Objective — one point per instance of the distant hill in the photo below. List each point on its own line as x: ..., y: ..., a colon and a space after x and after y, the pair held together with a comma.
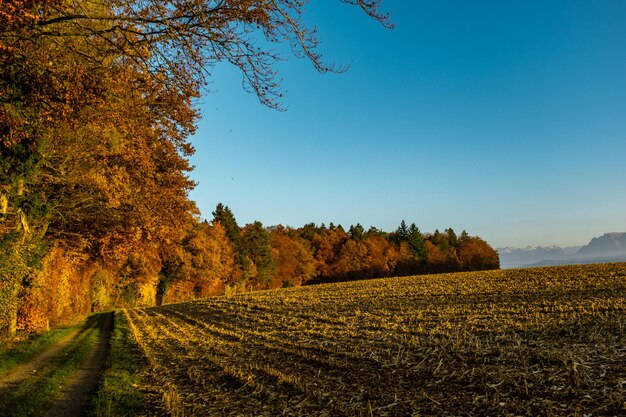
x: 610, y: 247
x: 609, y: 244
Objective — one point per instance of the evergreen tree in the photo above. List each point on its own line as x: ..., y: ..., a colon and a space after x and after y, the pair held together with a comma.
x: 402, y: 233
x: 258, y: 247
x: 356, y: 232
x: 226, y: 218
x: 308, y: 231
x: 417, y: 243
x: 453, y: 240
x: 374, y: 231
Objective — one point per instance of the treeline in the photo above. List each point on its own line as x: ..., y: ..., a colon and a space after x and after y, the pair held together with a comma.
x: 223, y: 255
x: 98, y: 100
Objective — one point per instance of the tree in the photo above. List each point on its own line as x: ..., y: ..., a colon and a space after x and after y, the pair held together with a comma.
x: 178, y: 41
x: 417, y: 243
x: 407, y: 263
x: 258, y: 247
x: 437, y: 259
x: 326, y: 246
x: 453, y: 240
x: 356, y: 232
x: 93, y: 159
x: 293, y: 259
x: 475, y: 255
x: 382, y: 254
x: 203, y: 263
x: 401, y: 234
x: 224, y: 216
x: 244, y: 265
x: 353, y: 261
x: 374, y: 231
x: 309, y: 230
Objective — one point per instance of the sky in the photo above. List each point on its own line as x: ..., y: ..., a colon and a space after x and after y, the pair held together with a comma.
x: 506, y: 119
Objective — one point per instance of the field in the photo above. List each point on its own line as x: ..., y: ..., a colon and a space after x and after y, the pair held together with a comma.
x: 544, y: 341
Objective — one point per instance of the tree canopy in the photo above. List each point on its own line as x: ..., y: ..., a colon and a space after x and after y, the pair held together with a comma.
x: 176, y: 41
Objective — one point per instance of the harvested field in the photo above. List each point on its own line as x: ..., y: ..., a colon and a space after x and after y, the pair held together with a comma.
x: 543, y: 341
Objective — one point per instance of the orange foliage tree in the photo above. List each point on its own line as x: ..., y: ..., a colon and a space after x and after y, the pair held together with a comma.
x: 93, y: 160
x: 293, y: 259
x: 475, y: 254
x: 204, y: 263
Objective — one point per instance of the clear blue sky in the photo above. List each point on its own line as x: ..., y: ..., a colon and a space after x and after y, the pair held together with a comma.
x: 503, y: 118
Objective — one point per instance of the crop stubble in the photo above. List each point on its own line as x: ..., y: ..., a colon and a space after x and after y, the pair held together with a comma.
x: 545, y: 341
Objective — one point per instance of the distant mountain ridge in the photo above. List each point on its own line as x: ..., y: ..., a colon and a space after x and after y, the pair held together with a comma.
x: 609, y: 244
x: 610, y: 247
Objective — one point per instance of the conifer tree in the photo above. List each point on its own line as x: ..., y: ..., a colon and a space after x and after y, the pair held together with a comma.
x: 258, y: 247
x: 417, y: 243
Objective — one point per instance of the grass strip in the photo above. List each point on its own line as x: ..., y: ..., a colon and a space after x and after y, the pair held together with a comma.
x: 25, y: 350
x: 119, y: 394
x: 32, y: 396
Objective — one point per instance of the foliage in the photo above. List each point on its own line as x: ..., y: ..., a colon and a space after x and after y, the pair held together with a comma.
x: 202, y: 266
x: 293, y: 259
x: 56, y: 293
x: 178, y: 40
x: 475, y: 255
x: 257, y: 246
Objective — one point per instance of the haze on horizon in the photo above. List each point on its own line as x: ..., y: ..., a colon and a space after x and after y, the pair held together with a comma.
x: 506, y: 120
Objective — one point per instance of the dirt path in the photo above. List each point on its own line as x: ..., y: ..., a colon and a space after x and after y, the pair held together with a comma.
x: 75, y: 400
x: 21, y: 372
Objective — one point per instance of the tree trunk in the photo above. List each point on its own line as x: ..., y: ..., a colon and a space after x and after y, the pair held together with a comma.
x: 161, y: 290
x: 12, y: 328
x: 13, y: 271
x: 8, y: 312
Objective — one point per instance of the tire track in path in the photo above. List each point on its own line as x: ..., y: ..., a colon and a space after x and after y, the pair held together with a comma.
x: 75, y: 400
x: 25, y: 370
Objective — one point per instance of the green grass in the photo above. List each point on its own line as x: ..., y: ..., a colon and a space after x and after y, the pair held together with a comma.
x: 25, y: 350
x: 119, y: 394
x: 34, y: 394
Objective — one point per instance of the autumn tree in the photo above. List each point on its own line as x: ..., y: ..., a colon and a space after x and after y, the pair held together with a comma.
x: 314, y: 254
x: 383, y: 255
x: 352, y: 261
x: 178, y: 41
x: 293, y: 258
x: 93, y: 160
x: 201, y: 266
x: 39, y: 90
x: 475, y: 254
x: 437, y: 259
x: 326, y: 245
x: 442, y: 252
x: 245, y: 268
